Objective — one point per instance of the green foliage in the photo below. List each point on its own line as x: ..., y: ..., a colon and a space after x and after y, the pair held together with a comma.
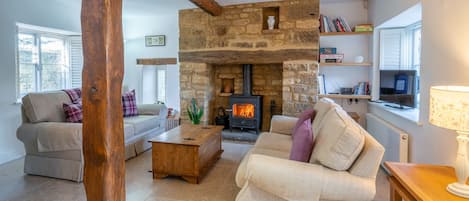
x: 195, y: 113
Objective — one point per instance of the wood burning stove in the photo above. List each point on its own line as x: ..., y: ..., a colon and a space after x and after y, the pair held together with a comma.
x: 246, y: 109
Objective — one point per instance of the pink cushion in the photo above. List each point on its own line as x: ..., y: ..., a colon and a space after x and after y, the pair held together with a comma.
x: 307, y: 114
x: 129, y: 104
x: 73, y: 112
x: 302, y: 145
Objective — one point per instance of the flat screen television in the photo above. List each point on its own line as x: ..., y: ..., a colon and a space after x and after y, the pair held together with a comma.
x: 399, y: 88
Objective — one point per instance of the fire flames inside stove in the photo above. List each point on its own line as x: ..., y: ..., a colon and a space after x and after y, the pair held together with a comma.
x: 243, y: 111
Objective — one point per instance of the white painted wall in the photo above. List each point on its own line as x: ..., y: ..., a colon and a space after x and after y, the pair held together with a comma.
x: 54, y: 14
x: 135, y: 30
x: 383, y: 10
x: 445, y: 61
x: 350, y: 46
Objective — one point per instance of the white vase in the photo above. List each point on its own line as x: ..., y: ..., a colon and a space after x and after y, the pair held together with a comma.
x: 271, y: 22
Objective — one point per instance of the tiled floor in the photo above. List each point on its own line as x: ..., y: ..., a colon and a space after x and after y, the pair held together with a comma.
x: 217, y: 185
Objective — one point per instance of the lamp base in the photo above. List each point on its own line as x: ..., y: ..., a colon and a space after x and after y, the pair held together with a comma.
x: 461, y: 190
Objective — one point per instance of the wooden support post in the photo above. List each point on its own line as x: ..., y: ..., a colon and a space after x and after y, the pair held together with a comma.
x: 209, y: 6
x: 103, y: 131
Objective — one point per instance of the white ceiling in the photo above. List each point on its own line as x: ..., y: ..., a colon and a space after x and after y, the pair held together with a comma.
x: 136, y: 8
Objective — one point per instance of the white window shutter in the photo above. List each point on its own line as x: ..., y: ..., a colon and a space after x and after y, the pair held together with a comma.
x: 76, y: 61
x: 391, y: 42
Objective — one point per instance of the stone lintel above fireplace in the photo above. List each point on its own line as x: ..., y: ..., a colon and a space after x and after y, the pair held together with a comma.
x: 247, y: 56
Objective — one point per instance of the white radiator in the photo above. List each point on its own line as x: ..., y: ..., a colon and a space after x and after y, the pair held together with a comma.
x: 394, y: 140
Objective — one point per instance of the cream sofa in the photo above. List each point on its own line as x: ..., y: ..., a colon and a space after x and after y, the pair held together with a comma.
x: 53, y: 146
x: 267, y: 174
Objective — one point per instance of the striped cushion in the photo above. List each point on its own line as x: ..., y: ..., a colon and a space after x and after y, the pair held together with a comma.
x: 73, y: 111
x: 129, y: 104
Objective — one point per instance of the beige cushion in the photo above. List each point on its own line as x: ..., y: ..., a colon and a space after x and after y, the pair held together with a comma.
x: 128, y: 131
x: 282, y: 124
x: 45, y: 106
x: 274, y: 141
x: 241, y: 172
x: 142, y: 123
x: 323, y: 106
x: 151, y: 109
x: 338, y: 142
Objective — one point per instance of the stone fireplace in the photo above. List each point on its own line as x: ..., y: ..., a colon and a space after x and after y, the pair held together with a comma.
x: 284, y: 60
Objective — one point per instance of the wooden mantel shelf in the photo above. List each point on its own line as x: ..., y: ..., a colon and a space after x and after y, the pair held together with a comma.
x: 247, y: 56
x: 157, y: 61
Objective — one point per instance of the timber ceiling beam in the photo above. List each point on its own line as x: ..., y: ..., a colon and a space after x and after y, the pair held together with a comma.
x: 209, y: 6
x: 103, y: 129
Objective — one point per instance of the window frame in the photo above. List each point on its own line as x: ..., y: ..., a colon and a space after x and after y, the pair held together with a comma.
x: 407, y: 53
x: 37, y: 33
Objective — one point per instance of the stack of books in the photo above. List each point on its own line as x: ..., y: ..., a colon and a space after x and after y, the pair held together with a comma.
x: 329, y: 55
x: 363, y: 88
x: 363, y: 28
x: 328, y: 24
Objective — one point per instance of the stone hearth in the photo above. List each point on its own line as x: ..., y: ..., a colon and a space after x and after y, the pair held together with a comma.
x: 284, y: 59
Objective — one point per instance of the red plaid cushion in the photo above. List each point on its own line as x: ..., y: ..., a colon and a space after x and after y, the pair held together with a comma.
x: 74, y: 94
x: 73, y: 112
x: 129, y: 104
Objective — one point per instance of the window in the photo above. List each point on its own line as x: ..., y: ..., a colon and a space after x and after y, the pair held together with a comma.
x: 400, y: 50
x: 47, y: 61
x: 153, y: 84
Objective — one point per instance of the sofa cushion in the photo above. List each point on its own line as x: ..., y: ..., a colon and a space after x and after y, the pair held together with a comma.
x: 129, y: 104
x: 302, y: 142
x: 73, y: 112
x: 338, y: 142
x: 274, y: 141
x: 241, y: 172
x: 307, y: 114
x: 45, y: 106
x: 143, y: 123
x: 74, y: 94
x: 128, y: 132
x: 322, y: 107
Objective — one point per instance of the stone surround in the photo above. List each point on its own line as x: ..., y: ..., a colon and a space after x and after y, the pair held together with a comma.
x: 285, y: 59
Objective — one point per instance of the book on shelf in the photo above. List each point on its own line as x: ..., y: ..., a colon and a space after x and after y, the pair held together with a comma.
x: 327, y: 50
x: 331, y: 58
x: 329, y: 24
x: 363, y: 28
x: 321, y: 84
x: 362, y: 88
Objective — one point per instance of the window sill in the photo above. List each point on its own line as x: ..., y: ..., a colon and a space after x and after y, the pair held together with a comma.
x: 411, y: 115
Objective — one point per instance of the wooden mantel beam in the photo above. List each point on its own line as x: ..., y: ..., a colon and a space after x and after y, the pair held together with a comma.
x: 209, y: 6
x: 103, y: 129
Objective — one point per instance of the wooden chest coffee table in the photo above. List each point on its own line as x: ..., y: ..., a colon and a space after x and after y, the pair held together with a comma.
x: 187, y: 151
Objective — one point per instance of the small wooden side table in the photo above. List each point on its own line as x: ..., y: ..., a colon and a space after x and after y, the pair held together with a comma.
x: 418, y: 182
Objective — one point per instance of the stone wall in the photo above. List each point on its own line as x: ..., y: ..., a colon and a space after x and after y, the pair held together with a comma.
x: 196, y: 81
x: 212, y: 47
x: 299, y: 86
x: 240, y: 27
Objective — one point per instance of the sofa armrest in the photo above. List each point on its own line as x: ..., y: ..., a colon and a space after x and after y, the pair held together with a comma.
x: 282, y: 124
x: 152, y: 109
x: 51, y: 136
x: 290, y: 180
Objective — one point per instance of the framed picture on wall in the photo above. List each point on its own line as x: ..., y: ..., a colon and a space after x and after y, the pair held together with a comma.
x: 155, y: 40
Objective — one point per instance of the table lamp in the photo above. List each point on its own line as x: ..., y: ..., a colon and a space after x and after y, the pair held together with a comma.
x: 449, y: 108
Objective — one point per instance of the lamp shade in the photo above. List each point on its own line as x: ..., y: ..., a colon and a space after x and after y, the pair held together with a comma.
x: 449, y: 107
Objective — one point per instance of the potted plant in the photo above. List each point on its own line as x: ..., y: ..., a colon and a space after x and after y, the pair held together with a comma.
x: 195, y: 113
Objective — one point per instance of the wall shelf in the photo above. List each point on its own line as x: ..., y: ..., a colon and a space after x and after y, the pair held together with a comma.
x: 345, y: 33
x: 345, y: 64
x: 341, y: 96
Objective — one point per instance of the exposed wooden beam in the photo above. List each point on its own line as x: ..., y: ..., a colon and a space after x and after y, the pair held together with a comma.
x: 209, y: 6
x: 157, y: 61
x: 103, y: 130
x: 242, y: 57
